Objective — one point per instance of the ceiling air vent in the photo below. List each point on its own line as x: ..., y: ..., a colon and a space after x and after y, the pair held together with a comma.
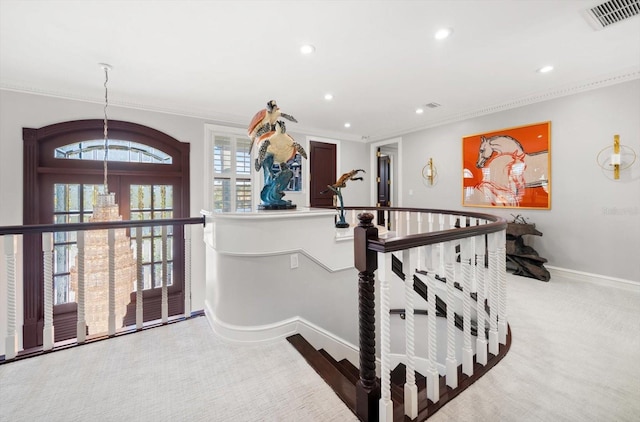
x: 610, y: 12
x: 434, y: 105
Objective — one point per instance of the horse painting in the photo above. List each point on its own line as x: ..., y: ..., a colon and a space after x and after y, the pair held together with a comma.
x: 508, y: 171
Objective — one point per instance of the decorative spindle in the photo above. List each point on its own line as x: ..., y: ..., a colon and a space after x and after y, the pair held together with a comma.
x: 465, y: 262
x: 11, y: 341
x: 384, y: 274
x: 452, y: 364
x: 366, y: 262
x: 187, y: 271
x: 139, y: 280
x: 47, y: 261
x: 165, y: 297
x: 493, y: 294
x: 81, y: 330
x: 433, y: 377
x: 481, y: 339
x: 502, y: 287
x: 410, y: 388
x: 111, y: 238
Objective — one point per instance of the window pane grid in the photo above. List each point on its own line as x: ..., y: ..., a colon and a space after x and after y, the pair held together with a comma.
x: 153, y: 202
x: 72, y: 203
x: 231, y: 171
x: 123, y: 151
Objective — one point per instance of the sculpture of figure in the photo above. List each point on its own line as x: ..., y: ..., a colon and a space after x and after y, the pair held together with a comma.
x: 276, y: 147
x: 265, y: 120
x: 337, y: 189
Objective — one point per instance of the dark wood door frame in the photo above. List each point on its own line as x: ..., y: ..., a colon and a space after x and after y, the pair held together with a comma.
x: 39, y: 160
x: 383, y: 184
x: 322, y: 168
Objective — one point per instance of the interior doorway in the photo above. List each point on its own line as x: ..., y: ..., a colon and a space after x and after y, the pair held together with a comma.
x: 386, y: 187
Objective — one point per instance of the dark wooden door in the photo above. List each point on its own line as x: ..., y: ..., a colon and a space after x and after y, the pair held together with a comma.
x: 322, y: 168
x: 384, y: 184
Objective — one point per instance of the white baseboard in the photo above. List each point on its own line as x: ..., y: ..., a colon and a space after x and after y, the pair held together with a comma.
x: 594, y: 278
x: 318, y: 337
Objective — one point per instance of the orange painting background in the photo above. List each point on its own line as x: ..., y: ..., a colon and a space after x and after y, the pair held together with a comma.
x: 533, y: 138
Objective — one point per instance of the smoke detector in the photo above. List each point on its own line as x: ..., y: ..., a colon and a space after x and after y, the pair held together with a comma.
x: 610, y: 12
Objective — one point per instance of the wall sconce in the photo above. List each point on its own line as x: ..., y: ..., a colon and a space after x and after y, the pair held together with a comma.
x: 429, y: 172
x: 616, y: 157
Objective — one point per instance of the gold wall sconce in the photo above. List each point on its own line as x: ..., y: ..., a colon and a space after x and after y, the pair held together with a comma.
x: 616, y: 157
x: 429, y: 172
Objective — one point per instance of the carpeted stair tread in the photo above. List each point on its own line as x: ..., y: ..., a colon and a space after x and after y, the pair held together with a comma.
x: 330, y: 373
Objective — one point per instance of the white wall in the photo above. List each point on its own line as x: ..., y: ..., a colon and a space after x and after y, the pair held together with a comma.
x: 593, y: 225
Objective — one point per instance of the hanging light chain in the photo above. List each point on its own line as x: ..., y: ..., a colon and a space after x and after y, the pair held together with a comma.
x: 106, y: 126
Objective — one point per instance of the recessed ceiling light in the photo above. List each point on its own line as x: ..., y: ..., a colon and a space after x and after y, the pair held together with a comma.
x: 307, y: 49
x: 419, y: 110
x: 545, y: 69
x: 347, y: 125
x: 443, y: 33
x: 328, y: 97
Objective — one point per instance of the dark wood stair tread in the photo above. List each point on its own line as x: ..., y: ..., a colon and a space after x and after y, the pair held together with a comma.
x: 330, y: 373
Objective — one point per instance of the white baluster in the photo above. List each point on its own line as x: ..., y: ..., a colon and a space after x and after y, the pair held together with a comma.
x: 433, y: 377
x: 111, y: 237
x: 407, y: 219
x: 465, y: 262
x: 165, y: 298
x: 385, y: 274
x: 47, y: 262
x: 502, y: 287
x: 452, y: 364
x: 410, y: 388
x: 187, y: 271
x: 11, y: 341
x: 474, y: 285
x: 139, y: 280
x: 422, y: 249
x: 396, y: 219
x: 81, y: 328
x: 493, y: 294
x: 441, y: 249
x: 481, y: 340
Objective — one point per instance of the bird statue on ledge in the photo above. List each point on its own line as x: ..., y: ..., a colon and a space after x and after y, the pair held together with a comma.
x: 336, y: 188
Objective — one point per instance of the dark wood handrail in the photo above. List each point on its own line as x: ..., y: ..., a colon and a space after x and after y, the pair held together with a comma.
x: 411, y: 241
x: 47, y: 228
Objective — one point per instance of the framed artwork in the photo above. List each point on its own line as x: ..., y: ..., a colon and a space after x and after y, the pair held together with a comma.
x: 508, y: 168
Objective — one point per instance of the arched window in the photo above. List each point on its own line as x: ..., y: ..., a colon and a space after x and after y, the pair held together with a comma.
x: 63, y: 171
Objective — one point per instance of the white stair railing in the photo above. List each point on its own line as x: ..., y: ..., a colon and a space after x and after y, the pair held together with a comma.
x: 11, y: 236
x: 452, y: 270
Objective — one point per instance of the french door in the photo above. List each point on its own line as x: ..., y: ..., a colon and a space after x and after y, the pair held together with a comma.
x: 70, y: 199
x: 63, y: 174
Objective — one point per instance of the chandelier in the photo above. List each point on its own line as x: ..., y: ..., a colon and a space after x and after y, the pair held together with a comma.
x: 96, y: 254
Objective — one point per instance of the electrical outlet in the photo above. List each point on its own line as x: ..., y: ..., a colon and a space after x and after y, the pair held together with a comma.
x: 294, y: 260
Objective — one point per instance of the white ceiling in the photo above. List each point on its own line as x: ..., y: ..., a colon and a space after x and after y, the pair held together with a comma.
x: 223, y: 60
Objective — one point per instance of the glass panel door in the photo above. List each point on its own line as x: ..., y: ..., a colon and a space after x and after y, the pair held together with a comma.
x: 153, y: 202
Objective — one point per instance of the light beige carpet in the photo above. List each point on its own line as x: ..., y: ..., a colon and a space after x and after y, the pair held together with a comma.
x: 180, y: 372
x: 575, y: 356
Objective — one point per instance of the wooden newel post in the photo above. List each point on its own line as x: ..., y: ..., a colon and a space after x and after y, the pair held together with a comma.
x: 366, y: 262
